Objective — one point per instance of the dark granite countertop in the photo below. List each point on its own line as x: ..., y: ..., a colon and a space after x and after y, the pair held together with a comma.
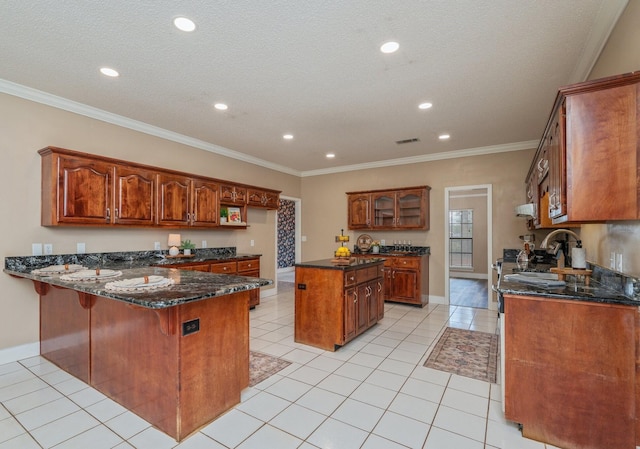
x: 353, y: 262
x: 188, y: 285
x: 412, y: 251
x: 605, y: 287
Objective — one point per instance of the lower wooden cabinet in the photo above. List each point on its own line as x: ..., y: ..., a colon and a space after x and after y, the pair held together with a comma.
x: 244, y: 266
x: 571, y: 371
x: 406, y: 278
x: 333, y: 306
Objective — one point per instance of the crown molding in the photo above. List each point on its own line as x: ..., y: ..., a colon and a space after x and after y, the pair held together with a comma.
x: 604, y: 23
x: 480, y: 151
x: 55, y: 101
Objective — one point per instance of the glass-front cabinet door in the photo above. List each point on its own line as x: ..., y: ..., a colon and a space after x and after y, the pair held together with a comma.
x: 411, y: 210
x: 384, y: 210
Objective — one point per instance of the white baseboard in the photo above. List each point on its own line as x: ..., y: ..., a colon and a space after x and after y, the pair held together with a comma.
x: 433, y: 299
x: 461, y: 275
x: 15, y: 353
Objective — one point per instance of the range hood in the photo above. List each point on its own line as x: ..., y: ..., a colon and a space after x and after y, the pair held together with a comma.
x: 526, y: 210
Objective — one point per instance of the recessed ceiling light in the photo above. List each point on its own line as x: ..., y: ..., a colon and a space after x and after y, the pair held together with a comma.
x: 443, y: 136
x: 184, y: 24
x: 221, y: 106
x: 389, y: 47
x: 330, y: 155
x: 425, y: 105
x: 109, y: 72
x: 288, y: 136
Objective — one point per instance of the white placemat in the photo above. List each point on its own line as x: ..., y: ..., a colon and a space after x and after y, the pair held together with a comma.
x: 91, y: 275
x: 139, y: 284
x: 58, y: 269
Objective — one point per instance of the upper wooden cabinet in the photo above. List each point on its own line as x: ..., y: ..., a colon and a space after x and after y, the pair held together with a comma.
x: 233, y: 194
x: 267, y: 199
x: 406, y: 208
x: 187, y: 201
x: 587, y: 162
x: 359, y: 213
x: 80, y: 189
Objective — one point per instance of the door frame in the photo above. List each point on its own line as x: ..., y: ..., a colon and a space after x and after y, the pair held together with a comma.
x: 491, y: 305
x: 297, y: 233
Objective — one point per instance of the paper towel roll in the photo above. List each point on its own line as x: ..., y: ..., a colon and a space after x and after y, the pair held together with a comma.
x: 578, y: 258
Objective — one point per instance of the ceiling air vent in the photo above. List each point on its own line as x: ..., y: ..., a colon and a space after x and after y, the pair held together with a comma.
x: 400, y: 142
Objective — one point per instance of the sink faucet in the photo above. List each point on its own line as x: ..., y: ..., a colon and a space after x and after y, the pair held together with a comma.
x: 561, y: 245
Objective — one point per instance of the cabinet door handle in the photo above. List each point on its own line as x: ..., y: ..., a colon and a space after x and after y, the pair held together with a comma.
x: 379, y: 287
x: 393, y: 274
x: 355, y: 297
x: 117, y: 215
x: 108, y: 214
x: 193, y: 217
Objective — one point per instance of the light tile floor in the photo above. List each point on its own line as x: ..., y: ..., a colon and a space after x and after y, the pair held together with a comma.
x: 374, y: 393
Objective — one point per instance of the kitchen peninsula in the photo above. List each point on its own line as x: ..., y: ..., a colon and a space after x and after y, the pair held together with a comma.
x: 177, y: 355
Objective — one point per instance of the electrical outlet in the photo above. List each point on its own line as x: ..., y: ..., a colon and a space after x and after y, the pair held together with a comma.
x: 80, y: 248
x: 382, y: 242
x: 156, y: 246
x: 36, y: 249
x: 204, y: 243
x: 48, y: 248
x: 252, y: 243
x: 304, y: 238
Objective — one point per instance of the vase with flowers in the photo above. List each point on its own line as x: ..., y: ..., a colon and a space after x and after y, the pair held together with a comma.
x: 375, y: 247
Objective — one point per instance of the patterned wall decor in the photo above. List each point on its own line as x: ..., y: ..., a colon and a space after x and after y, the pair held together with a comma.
x: 286, y: 234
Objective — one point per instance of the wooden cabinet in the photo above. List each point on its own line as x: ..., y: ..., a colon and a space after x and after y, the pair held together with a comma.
x: 592, y: 148
x: 399, y: 209
x: 186, y: 201
x: 233, y: 195
x: 267, y: 199
x: 570, y: 371
x: 244, y: 266
x: 80, y: 189
x: 359, y: 211
x: 406, y: 278
x: 135, y: 196
x: 333, y: 305
x: 251, y: 267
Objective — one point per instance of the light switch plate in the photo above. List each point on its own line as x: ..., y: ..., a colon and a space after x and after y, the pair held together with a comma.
x: 48, y: 248
x: 36, y: 249
x: 204, y: 243
x: 156, y: 246
x: 80, y: 248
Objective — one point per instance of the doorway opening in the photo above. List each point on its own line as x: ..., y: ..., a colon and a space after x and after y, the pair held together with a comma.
x: 288, y: 239
x: 468, y: 239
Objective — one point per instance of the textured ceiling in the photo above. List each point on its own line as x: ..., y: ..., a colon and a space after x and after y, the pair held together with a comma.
x: 312, y: 68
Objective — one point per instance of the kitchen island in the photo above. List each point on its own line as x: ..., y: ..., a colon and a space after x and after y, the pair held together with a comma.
x: 176, y: 355
x: 337, y: 299
x: 572, y: 362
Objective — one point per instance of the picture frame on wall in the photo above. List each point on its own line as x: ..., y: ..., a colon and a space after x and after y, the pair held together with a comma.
x: 234, y: 215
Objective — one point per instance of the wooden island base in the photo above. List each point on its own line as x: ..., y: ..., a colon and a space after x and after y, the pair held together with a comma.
x: 152, y: 361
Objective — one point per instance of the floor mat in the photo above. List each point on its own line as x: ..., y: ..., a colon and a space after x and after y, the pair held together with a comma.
x: 467, y: 353
x: 263, y: 366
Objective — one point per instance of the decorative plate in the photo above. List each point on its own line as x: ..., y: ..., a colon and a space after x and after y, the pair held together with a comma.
x: 91, y: 275
x: 58, y: 269
x: 139, y: 284
x: 364, y: 242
